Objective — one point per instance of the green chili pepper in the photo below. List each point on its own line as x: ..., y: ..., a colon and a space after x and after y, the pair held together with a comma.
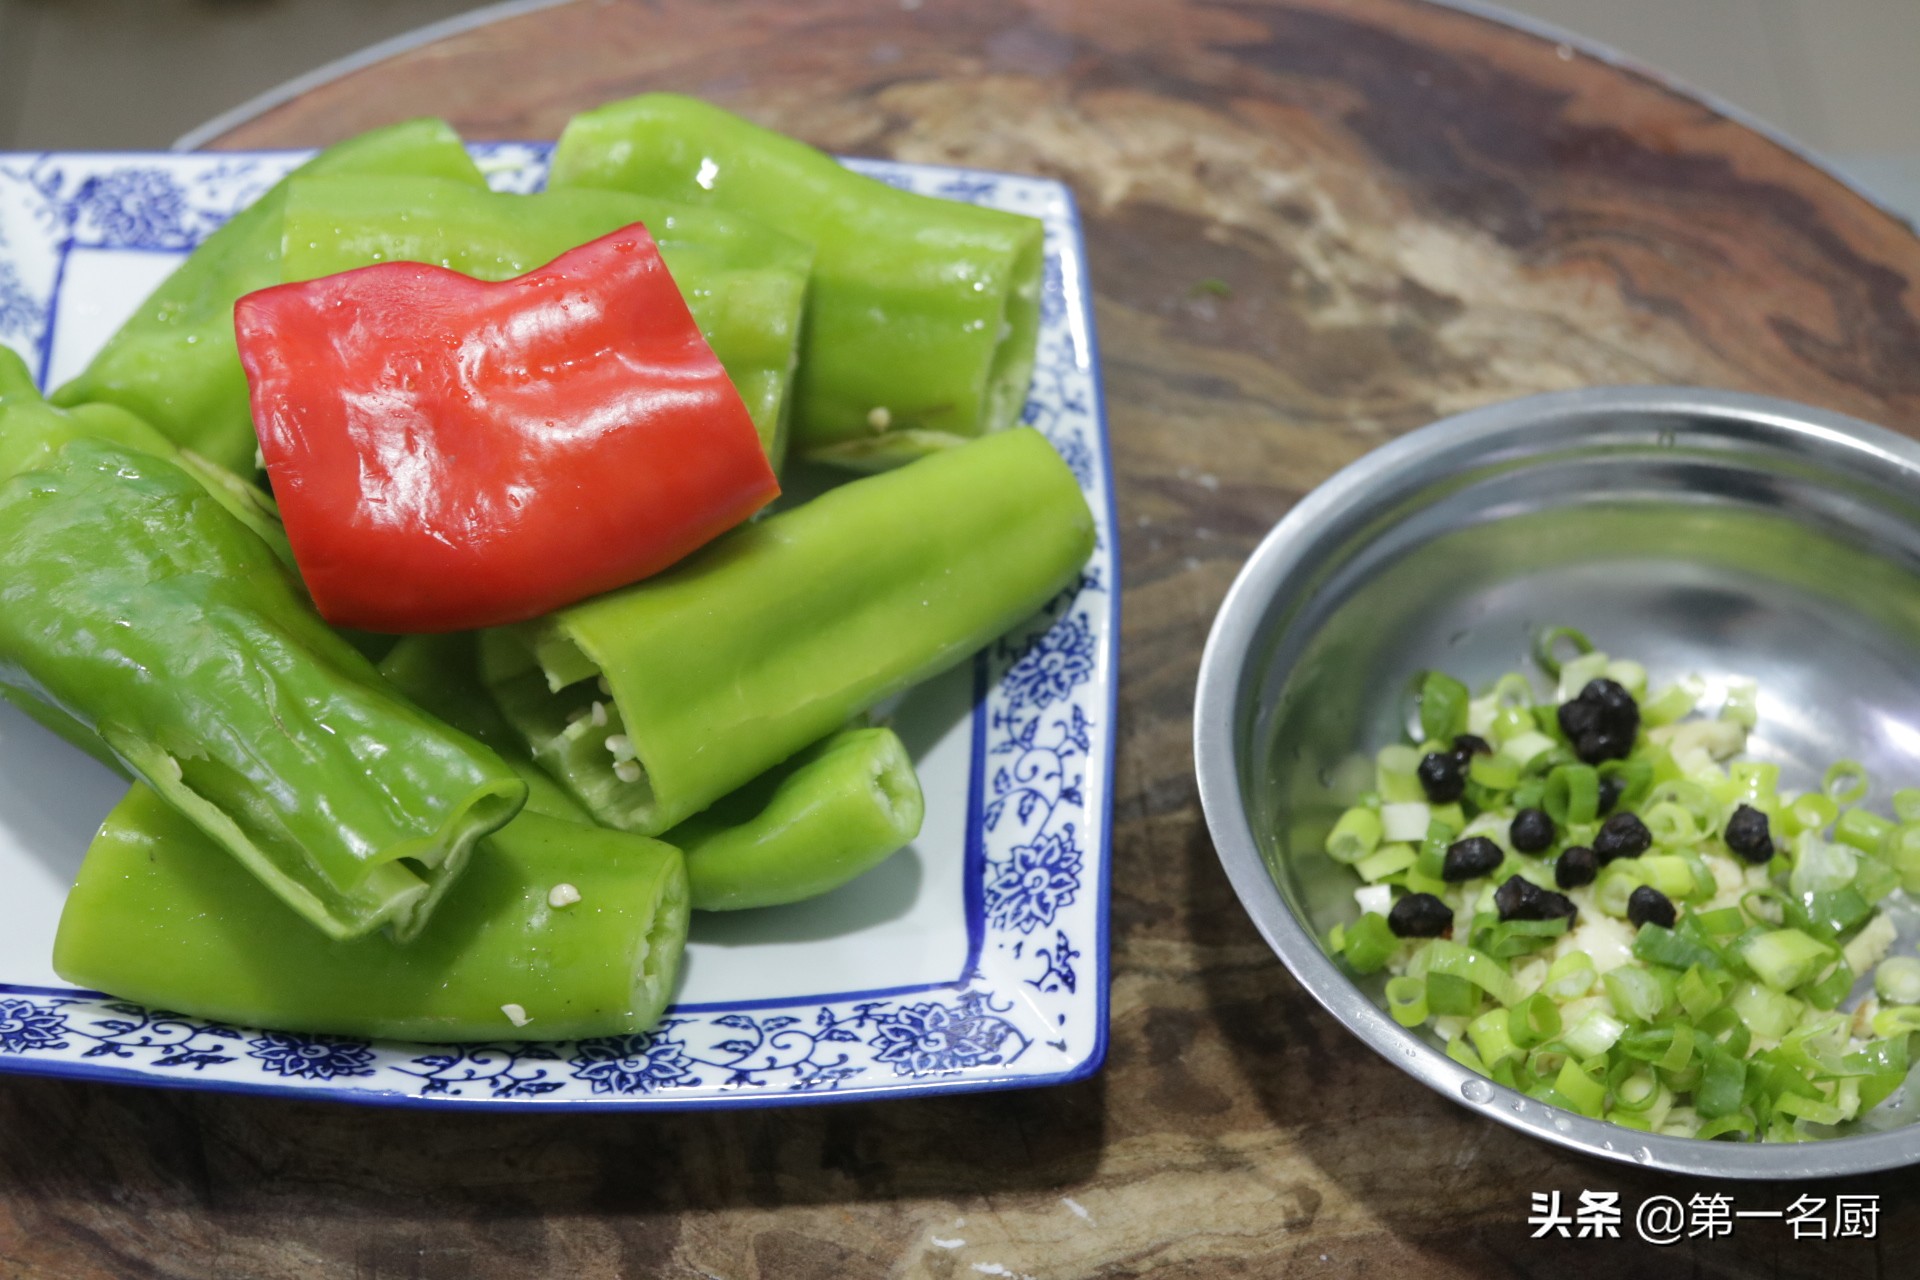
x: 775, y: 635
x: 175, y: 364
x: 441, y: 675
x: 159, y: 914
x: 139, y: 607
x: 837, y: 809
x: 924, y: 314
x: 744, y: 282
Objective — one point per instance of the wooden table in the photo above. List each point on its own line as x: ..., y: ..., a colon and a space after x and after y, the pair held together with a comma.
x: 1416, y: 210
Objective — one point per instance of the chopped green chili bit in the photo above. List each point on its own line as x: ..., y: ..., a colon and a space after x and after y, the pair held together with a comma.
x: 1697, y: 988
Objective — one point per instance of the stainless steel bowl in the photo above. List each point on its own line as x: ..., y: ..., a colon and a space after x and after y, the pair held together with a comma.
x: 1695, y: 531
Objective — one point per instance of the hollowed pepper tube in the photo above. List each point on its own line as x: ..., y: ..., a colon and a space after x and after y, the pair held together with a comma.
x: 834, y: 811
x: 924, y: 314
x: 174, y: 363
x: 160, y: 915
x: 651, y: 702
x: 143, y: 611
x: 744, y: 283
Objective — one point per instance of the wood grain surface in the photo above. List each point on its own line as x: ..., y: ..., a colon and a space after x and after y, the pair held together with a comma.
x: 1415, y: 210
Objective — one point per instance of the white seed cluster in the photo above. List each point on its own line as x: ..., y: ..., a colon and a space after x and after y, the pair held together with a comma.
x: 562, y: 895
x: 516, y: 1014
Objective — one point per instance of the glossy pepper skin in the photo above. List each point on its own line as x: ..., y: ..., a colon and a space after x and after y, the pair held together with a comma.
x: 451, y: 453
x: 745, y: 283
x: 924, y: 314
x: 778, y: 634
x: 174, y: 364
x: 159, y: 914
x: 31, y: 433
x: 834, y: 811
x: 137, y: 606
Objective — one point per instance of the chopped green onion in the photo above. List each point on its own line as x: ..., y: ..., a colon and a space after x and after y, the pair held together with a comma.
x: 1443, y: 706
x: 1534, y: 1020
x: 1629, y: 675
x: 1906, y: 804
x: 1830, y: 990
x: 1634, y: 993
x: 1407, y: 1000
x: 1755, y: 782
x: 1570, y: 977
x: 1354, y: 836
x: 1527, y: 747
x: 1433, y: 849
x: 1404, y: 820
x: 1680, y: 1052
x: 1504, y: 939
x: 1724, y: 1125
x: 1785, y: 958
x: 1490, y: 1036
x: 1454, y: 960
x: 1573, y: 795
x: 1448, y: 996
x: 1577, y: 672
x: 1721, y: 1084
x: 1739, y: 708
x: 1862, y: 829
x: 1671, y: 824
x: 1903, y: 848
x: 1547, y: 642
x: 1370, y: 943
x: 1810, y: 812
x: 1671, y: 704
x: 1769, y: 1014
x: 1461, y: 1052
x: 1897, y: 980
x: 1396, y: 776
x: 1387, y: 860
x: 1845, y: 782
x: 1718, y: 923
x: 1699, y: 994
x: 1580, y: 1089
x: 1897, y: 1021
x: 1657, y: 944
x: 1831, y: 912
x: 1820, y: 866
x: 1495, y: 772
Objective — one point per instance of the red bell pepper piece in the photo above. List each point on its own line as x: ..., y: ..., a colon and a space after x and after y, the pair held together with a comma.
x: 450, y: 453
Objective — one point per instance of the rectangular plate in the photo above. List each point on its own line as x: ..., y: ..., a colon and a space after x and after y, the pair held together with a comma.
x: 975, y: 959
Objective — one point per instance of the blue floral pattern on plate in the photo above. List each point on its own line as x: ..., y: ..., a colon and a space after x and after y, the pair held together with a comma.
x: 1030, y: 1007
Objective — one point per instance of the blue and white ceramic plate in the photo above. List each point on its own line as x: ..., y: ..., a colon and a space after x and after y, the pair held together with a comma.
x: 976, y: 959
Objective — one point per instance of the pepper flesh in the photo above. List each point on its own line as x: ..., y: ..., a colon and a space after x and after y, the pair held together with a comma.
x: 833, y: 812
x: 141, y: 609
x: 174, y: 363
x: 744, y: 283
x: 451, y: 453
x: 32, y: 431
x: 440, y: 674
x: 160, y: 915
x: 779, y: 633
x: 924, y: 315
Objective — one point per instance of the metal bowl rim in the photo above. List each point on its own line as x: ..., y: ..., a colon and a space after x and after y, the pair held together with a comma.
x: 1443, y: 447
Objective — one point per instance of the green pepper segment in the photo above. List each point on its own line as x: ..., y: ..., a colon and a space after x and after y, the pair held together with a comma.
x: 924, y: 315
x: 175, y: 364
x: 651, y: 702
x: 441, y: 674
x: 745, y: 283
x: 161, y: 915
x: 834, y: 811
x: 32, y: 430
x: 139, y: 608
